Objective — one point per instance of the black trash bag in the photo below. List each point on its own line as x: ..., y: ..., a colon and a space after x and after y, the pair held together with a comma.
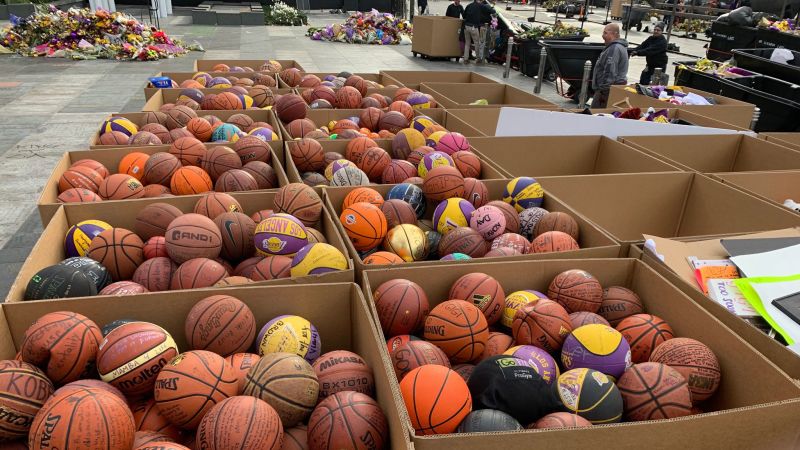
x: 742, y: 17
x: 723, y: 18
x: 764, y: 15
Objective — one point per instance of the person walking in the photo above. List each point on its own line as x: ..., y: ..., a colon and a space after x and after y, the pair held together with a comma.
x: 611, y: 66
x: 455, y: 10
x: 475, y: 29
x: 654, y: 49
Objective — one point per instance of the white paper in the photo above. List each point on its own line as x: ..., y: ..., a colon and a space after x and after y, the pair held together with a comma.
x: 534, y: 122
x: 694, y: 99
x: 783, y: 262
x: 773, y: 291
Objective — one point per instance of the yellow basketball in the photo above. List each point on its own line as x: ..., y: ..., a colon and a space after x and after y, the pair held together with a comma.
x: 452, y: 213
x: 290, y: 334
x: 517, y: 300
x: 318, y: 258
x: 120, y: 124
x: 79, y: 236
x: 523, y: 193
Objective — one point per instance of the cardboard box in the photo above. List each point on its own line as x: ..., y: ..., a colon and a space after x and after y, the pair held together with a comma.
x: 375, y: 77
x: 774, y: 187
x: 48, y: 201
x: 674, y: 268
x: 791, y: 140
x: 205, y: 65
x: 564, y: 155
x: 322, y: 117
x: 49, y: 249
x: 413, y: 78
x: 717, y: 153
x: 594, y: 243
x: 258, y: 115
x: 180, y: 77
x: 690, y: 117
x: 436, y: 36
x: 350, y: 329
x: 672, y: 205
x: 728, y: 110
x: 748, y: 411
x: 461, y: 95
x: 164, y: 96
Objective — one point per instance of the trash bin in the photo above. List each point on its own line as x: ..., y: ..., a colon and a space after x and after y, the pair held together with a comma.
x: 705, y: 81
x: 725, y: 38
x: 757, y: 60
x: 778, y: 113
x: 529, y: 54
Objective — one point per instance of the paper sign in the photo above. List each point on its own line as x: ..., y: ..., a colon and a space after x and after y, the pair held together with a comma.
x: 761, y: 291
x: 777, y: 263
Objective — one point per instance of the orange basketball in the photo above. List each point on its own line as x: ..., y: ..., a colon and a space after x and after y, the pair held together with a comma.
x: 437, y: 399
x: 365, y: 225
x: 416, y: 155
x: 443, y: 182
x: 80, y: 177
x: 557, y: 221
x: 252, y: 148
x: 245, y: 268
x: 159, y: 131
x: 200, y: 128
x: 92, y: 164
x: 356, y: 148
x: 237, y: 231
x: 459, y: 328
x: 133, y: 164
x: 192, y: 236
x: 341, y: 370
x: 81, y: 415
x: 221, y: 324
x: 263, y: 173
x: 242, y: 121
x: 467, y: 163
x: 262, y: 96
x: 463, y: 240
x: 197, y: 273
x: 402, y: 94
x: 156, y: 190
x: 155, y: 274
x: 561, y: 420
x: 179, y: 116
x: 373, y: 161
x: 212, y: 204
x: 618, y: 303
x: 148, y: 417
x: 695, y: 361
x: 363, y: 194
x: 153, y: 219
x: 644, y: 332
x: 291, y: 76
x: 226, y: 101
x: 24, y: 388
x: 240, y: 422
x: 342, y: 125
x: 188, y: 150
x: 544, y: 324
x: 300, y: 127
x: 413, y: 354
x: 120, y: 186
x: 190, y: 180
x: 483, y: 291
x: 300, y: 201
x: 191, y: 384
x: 119, y: 250
x: 652, y: 391
x: 272, y: 268
x: 393, y: 122
x: 114, y: 138
x: 511, y: 214
x: 295, y: 438
x: 371, y: 118
x: 78, y: 195
x: 348, y: 97
x: 287, y: 382
x: 403, y: 108
x: 160, y: 167
x: 347, y: 417
x: 220, y: 159
x: 401, y: 306
x: 144, y: 439
x: 398, y: 171
x: 307, y: 154
x: 236, y: 180
x: 382, y: 257
x: 398, y: 212
x: 242, y: 363
x: 553, y: 241
x: 576, y: 290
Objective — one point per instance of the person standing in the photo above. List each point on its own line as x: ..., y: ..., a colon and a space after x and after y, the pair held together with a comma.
x: 455, y: 10
x: 423, y: 6
x: 475, y: 28
x: 654, y: 49
x: 611, y: 66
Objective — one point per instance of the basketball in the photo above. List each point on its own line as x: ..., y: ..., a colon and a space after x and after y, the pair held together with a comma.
x: 114, y: 138
x: 147, y: 417
x: 300, y: 201
x: 143, y: 440
x: 489, y: 221
x: 476, y: 193
x: 71, y: 419
x: 59, y: 281
x: 538, y: 359
x: 487, y: 420
x: 237, y: 231
x: 591, y: 395
x: 307, y: 154
x: 279, y: 234
x: 290, y: 107
x: 443, y: 182
x: 188, y: 150
x: 263, y: 173
x: 432, y: 160
x: 190, y: 180
x: 410, y: 194
x: 497, y: 343
x: 405, y: 141
x: 416, y: 353
x: 695, y: 361
x: 644, y: 332
x: 363, y: 194
x: 118, y: 250
x: 120, y: 124
x: 236, y: 180
x: 416, y: 156
x: 252, y: 148
x: 78, y: 195
x: 373, y: 162
x: 512, y: 216
x: 528, y: 218
x: 242, y: 121
x: 200, y: 128
x: 403, y: 108
x: 272, y: 268
x: 155, y: 274
x: 408, y: 242
x: 262, y: 96
x: 561, y: 420
x: 581, y: 318
x: 467, y: 163
x: 393, y: 121
x: 523, y: 193
x: 576, y: 290
x: 452, y: 213
x: 553, y: 241
x: 289, y: 334
x: 245, y: 268
x: 618, y: 303
x: 557, y: 221
x: 397, y: 171
x: 287, y: 382
x: 232, y: 281
x: 240, y: 422
x: 341, y: 370
x: 221, y: 324
x: 544, y: 324
x: 218, y: 160
x: 463, y: 240
x: 513, y: 241
x: 225, y: 132
x: 197, y: 273
x: 355, y: 148
x: 153, y: 219
x: 133, y: 164
x: 349, y: 176
x: 335, y: 165
x: 212, y: 204
x: 452, y: 143
x: 63, y: 344
x: 371, y: 117
x: 121, y: 288
x: 291, y: 76
x: 514, y: 301
x: 398, y: 212
x: 192, y: 236
x: 437, y: 399
x: 189, y: 385
x: 652, y: 391
x: 91, y: 268
x: 120, y: 187
x: 365, y: 225
x: 401, y: 306
x: 159, y: 131
x: 597, y: 347
x: 156, y: 190
x: 458, y: 328
x: 242, y: 363
x: 345, y: 418
x: 160, y: 167
x: 24, y: 388
x: 482, y: 291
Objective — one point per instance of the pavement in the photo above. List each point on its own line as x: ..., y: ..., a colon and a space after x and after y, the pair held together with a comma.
x: 50, y: 106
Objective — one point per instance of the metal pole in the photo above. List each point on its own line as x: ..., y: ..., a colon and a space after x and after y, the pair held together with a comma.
x: 535, y: 7
x: 540, y: 75
x: 756, y: 116
x: 658, y: 74
x: 509, y: 50
x: 671, y: 23
x: 608, y: 11
x: 587, y: 67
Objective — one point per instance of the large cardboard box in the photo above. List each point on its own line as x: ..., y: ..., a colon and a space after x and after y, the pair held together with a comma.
x: 379, y: 78
x: 180, y: 77
x: 726, y: 109
x: 48, y: 201
x: 322, y: 117
x: 413, y: 78
x: 671, y: 263
x: 748, y: 411
x: 350, y: 328
x: 258, y: 115
x: 791, y: 140
x: 436, y: 36
x: 717, y: 153
x: 681, y: 115
x: 461, y: 95
x: 672, y: 205
x: 49, y: 249
x: 774, y: 187
x: 164, y: 96
x: 564, y: 155
x: 594, y: 243
x: 206, y: 65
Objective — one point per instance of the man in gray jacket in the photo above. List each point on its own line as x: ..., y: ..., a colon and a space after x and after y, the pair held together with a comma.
x: 611, y: 66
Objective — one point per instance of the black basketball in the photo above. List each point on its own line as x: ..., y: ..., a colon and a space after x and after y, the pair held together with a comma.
x: 484, y: 420
x: 59, y: 281
x: 91, y: 269
x: 111, y: 326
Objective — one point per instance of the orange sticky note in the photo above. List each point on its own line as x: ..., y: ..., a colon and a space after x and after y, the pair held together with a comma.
x: 703, y: 274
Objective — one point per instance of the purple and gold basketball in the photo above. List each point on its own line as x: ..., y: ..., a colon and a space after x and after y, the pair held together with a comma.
x: 191, y: 94
x: 452, y: 213
x: 264, y: 133
x: 418, y: 100
x: 290, y: 334
x: 420, y: 123
x: 218, y: 83
x: 538, y: 359
x: 317, y: 258
x: 79, y: 236
x: 432, y: 160
x: 597, y: 347
x: 336, y: 166
x: 202, y: 78
x: 280, y: 234
x: 452, y: 142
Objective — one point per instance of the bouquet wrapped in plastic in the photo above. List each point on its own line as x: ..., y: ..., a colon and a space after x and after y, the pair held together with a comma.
x: 371, y: 27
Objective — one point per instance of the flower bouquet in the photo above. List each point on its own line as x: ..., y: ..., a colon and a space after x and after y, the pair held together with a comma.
x: 371, y: 27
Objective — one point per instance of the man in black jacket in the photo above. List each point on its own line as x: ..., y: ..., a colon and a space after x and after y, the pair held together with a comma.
x: 455, y: 10
x: 654, y: 49
x: 475, y: 28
